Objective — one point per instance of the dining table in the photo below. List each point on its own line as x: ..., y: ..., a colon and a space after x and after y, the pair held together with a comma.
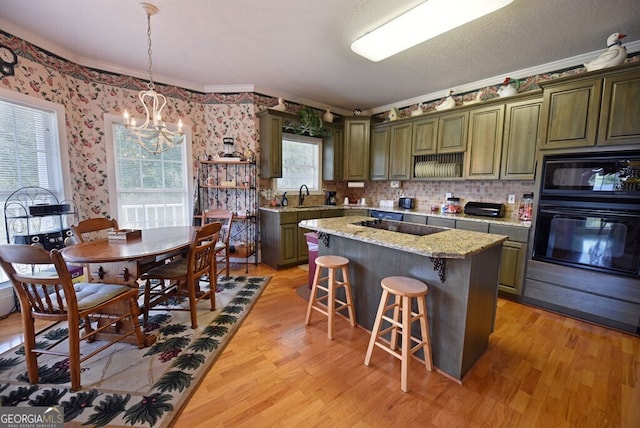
x: 119, y: 260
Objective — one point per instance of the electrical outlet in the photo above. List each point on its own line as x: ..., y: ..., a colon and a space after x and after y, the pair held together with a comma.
x: 395, y: 184
x: 448, y: 195
x: 511, y: 199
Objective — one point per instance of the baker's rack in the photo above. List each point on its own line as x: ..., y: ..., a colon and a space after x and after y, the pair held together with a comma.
x: 34, y: 215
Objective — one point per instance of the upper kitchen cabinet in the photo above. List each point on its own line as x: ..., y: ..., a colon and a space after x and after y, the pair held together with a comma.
x: 379, y: 153
x: 503, y: 137
x: 441, y: 133
x: 452, y: 132
x: 425, y: 132
x: 400, y: 151
x: 570, y: 113
x: 333, y: 154
x: 391, y: 152
x: 597, y: 108
x: 271, y: 122
x: 620, y: 113
x: 482, y: 160
x: 521, y: 122
x: 356, y: 148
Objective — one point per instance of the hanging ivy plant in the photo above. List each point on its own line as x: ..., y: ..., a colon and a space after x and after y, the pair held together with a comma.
x: 310, y: 123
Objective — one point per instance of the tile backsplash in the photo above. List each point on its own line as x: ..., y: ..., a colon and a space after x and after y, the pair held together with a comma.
x: 428, y: 193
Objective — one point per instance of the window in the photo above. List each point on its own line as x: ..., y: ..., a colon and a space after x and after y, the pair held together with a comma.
x: 301, y: 163
x: 147, y: 190
x: 33, y: 149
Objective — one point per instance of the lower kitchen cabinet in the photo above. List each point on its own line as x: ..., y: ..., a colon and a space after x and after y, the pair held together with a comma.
x: 413, y: 218
x: 514, y: 257
x: 442, y: 222
x: 288, y: 252
x: 514, y: 250
x: 282, y: 242
x: 356, y: 211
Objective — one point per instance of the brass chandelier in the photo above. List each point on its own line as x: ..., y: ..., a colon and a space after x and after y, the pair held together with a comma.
x: 153, y: 135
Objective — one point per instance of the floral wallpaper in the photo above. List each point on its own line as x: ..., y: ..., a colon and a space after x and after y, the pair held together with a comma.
x: 88, y: 95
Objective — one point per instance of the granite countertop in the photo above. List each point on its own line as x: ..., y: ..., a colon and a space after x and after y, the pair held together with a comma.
x: 450, y: 243
x: 423, y: 212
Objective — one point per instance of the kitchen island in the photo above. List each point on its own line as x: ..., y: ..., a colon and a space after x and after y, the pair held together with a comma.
x: 460, y: 267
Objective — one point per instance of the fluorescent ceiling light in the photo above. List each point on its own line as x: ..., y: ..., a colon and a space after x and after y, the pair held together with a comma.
x: 421, y: 23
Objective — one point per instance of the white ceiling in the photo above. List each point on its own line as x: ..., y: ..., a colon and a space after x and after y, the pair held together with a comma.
x: 299, y: 49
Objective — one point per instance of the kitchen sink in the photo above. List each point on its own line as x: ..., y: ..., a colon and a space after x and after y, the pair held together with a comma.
x: 401, y: 227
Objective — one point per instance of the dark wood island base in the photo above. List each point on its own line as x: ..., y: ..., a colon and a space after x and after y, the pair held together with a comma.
x: 461, y: 309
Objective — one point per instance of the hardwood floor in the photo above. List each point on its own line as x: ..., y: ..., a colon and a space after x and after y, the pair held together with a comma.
x: 541, y: 370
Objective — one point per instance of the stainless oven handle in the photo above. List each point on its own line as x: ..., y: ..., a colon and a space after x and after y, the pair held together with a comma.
x: 588, y: 213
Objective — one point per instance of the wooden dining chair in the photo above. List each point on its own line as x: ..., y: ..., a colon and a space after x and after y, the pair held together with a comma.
x: 88, y: 229
x: 181, y: 277
x: 222, y: 247
x: 53, y: 297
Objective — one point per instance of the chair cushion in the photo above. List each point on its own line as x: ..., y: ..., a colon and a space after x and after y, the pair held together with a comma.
x: 175, y: 269
x: 94, y: 293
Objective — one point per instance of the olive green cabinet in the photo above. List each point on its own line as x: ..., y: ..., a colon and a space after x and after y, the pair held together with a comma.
x: 400, y: 151
x: 452, y: 132
x: 503, y: 140
x: 482, y: 160
x: 282, y: 241
x: 390, y: 152
x: 424, y: 136
x: 441, y: 133
x: 379, y: 153
x: 413, y: 218
x: 514, y: 251
x: 356, y: 212
x: 270, y: 144
x: 288, y: 253
x: 278, y: 238
x: 620, y: 113
x: 356, y: 148
x: 601, y: 108
x: 520, y: 137
x: 514, y: 257
x: 570, y: 114
x: 333, y: 155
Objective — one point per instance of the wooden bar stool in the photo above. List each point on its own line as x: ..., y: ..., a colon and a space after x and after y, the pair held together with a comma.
x: 329, y: 308
x: 403, y: 289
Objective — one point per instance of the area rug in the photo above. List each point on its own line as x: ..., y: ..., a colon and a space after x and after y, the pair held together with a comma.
x: 126, y: 386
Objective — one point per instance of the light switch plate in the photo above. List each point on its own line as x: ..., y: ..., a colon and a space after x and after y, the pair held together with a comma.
x: 395, y: 184
x: 511, y: 199
x: 448, y: 195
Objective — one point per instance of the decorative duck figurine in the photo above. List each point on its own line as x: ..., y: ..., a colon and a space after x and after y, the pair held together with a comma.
x: 328, y: 116
x: 448, y: 103
x: 615, y: 55
x: 280, y: 106
x: 394, y: 113
x: 508, y: 88
x: 476, y: 100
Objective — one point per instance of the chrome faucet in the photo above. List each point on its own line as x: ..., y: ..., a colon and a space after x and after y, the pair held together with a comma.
x: 301, y: 196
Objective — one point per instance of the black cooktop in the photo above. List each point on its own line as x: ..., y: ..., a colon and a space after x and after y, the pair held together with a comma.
x: 401, y: 227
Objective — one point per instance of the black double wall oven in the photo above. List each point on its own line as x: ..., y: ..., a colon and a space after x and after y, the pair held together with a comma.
x: 588, y: 213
